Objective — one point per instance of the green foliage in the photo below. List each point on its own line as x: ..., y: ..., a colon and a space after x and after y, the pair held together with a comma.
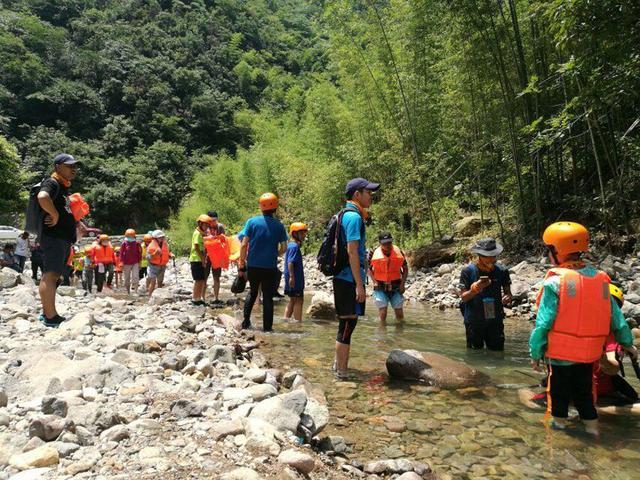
x: 12, y: 198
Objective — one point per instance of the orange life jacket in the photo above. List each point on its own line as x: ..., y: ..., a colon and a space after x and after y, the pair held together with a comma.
x: 118, y: 263
x: 79, y: 207
x: 102, y: 254
x: 218, y: 250
x: 158, y: 255
x: 583, y: 321
x: 387, y: 269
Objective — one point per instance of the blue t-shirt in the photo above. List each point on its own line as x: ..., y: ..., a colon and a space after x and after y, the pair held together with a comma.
x: 351, y: 229
x: 293, y: 255
x: 265, y: 234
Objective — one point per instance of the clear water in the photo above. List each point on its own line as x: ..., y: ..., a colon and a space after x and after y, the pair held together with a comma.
x: 483, y: 433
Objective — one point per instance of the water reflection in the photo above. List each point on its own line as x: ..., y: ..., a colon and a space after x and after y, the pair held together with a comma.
x: 470, y: 433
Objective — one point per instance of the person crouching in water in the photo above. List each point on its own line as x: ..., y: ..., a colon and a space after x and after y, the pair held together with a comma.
x: 612, y: 386
x: 388, y: 269
x: 485, y: 286
x: 294, y: 271
x: 576, y: 314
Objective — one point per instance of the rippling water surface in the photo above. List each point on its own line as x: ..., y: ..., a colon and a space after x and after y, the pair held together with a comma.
x: 476, y: 433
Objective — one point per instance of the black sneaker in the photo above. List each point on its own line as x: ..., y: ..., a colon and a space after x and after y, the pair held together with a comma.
x: 197, y: 303
x: 246, y: 325
x: 53, y: 322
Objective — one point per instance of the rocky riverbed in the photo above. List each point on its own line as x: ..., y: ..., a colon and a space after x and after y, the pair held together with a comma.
x: 438, y: 285
x: 156, y: 388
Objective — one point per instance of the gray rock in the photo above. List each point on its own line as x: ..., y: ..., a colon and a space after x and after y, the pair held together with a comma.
x: 322, y: 306
x: 171, y: 361
x: 282, y: 411
x: 8, y: 278
x: 302, y: 462
x: 226, y: 428
x: 65, y: 449
x: 161, y: 296
x: 49, y: 427
x: 334, y: 443
x: 433, y: 368
x: 54, y: 406
x: 186, y: 408
x: 242, y: 473
x: 108, y: 417
x: 256, y: 375
x: 32, y: 474
x: 262, y: 391
x: 222, y: 353
x: 115, y: 434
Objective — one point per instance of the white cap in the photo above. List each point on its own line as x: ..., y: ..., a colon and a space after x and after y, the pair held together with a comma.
x: 157, y: 234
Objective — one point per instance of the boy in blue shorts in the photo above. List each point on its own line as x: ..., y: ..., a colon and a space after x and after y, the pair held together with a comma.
x: 294, y: 271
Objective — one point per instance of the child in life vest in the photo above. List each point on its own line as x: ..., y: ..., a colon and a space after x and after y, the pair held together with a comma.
x: 612, y: 386
x: 575, y: 316
x: 294, y: 271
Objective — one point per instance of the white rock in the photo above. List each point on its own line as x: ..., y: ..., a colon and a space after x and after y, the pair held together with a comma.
x: 302, y: 462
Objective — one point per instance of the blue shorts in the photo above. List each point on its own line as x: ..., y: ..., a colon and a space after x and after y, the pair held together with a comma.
x: 382, y: 299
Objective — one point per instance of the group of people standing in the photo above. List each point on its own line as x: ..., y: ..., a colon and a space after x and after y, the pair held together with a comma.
x: 578, y: 321
x: 129, y: 262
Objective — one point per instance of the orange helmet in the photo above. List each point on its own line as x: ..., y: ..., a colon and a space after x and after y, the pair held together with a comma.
x: 130, y: 232
x: 268, y: 201
x: 297, y: 227
x: 104, y: 237
x: 147, y: 238
x: 566, y: 238
x: 204, y: 218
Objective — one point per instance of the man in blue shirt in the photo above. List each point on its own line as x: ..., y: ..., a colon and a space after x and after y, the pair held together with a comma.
x: 265, y: 238
x: 349, y: 285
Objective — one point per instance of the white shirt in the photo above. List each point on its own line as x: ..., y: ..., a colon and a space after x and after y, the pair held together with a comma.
x: 22, y: 247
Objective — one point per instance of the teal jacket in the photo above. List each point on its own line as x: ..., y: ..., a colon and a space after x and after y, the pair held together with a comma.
x: 548, y: 310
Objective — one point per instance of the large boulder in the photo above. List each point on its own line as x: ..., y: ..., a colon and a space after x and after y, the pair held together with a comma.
x: 282, y: 411
x: 431, y: 255
x: 161, y: 296
x: 8, y: 278
x: 433, y: 368
x: 322, y: 306
x: 469, y: 226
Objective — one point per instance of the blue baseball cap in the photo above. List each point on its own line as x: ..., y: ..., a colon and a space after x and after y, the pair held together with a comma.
x: 358, y: 184
x: 66, y: 159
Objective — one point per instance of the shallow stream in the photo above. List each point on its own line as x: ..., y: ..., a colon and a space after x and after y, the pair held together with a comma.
x: 471, y: 433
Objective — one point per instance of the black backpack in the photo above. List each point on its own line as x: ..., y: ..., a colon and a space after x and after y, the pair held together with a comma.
x: 333, y: 256
x: 35, y: 213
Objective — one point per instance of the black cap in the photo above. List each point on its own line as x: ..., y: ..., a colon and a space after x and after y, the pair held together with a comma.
x: 358, y: 184
x: 65, y: 158
x: 213, y: 214
x: 385, y: 237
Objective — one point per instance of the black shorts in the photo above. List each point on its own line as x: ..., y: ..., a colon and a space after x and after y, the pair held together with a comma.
x: 344, y: 297
x: 216, y: 272
x: 294, y: 293
x: 55, y: 253
x: 198, y: 271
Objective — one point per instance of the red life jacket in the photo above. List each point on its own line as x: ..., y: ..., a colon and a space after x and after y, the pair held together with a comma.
x: 387, y: 268
x: 218, y: 250
x: 583, y: 321
x: 158, y: 255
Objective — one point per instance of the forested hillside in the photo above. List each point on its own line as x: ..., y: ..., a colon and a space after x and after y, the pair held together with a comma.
x: 141, y: 90
x: 524, y: 110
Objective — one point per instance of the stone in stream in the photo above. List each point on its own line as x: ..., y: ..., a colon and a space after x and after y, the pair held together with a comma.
x: 433, y: 368
x: 322, y: 306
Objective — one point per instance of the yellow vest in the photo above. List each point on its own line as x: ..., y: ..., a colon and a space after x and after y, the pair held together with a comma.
x: 144, y: 262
